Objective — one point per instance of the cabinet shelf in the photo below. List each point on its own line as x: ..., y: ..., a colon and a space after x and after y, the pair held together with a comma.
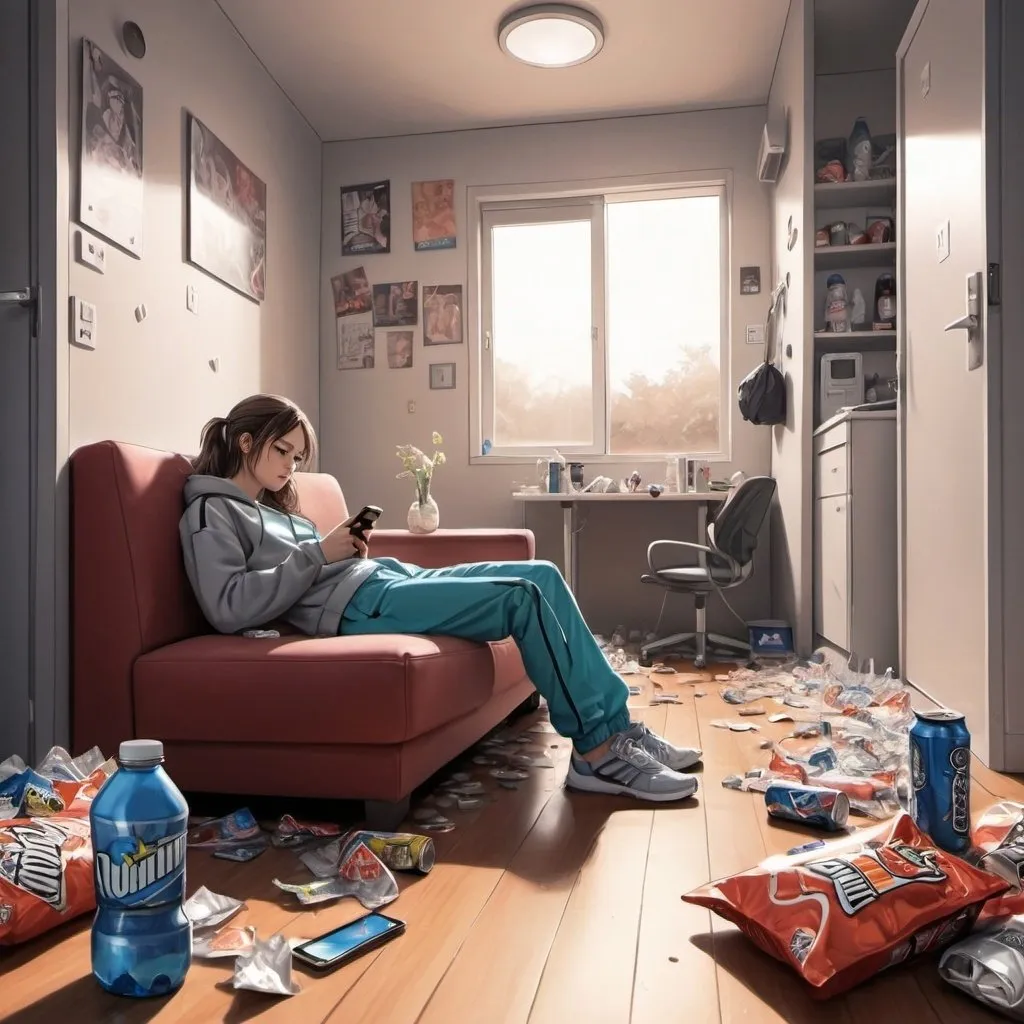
x: 855, y: 341
x: 842, y: 194
x: 835, y: 257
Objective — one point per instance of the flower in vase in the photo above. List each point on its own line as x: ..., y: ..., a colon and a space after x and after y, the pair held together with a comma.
x: 419, y: 466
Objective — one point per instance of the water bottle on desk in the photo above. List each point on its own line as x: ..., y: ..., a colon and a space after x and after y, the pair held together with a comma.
x: 141, y: 938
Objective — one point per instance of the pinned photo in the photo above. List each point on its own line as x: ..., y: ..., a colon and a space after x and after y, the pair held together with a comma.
x: 355, y: 345
x: 433, y: 214
x: 366, y: 218
x: 750, y: 280
x: 395, y: 304
x: 442, y: 314
x: 399, y: 350
x: 352, y: 293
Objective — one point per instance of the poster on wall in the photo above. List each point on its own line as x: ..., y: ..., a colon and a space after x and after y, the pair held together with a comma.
x: 110, y: 175
x: 355, y: 344
x: 227, y: 214
x: 366, y: 218
x: 399, y: 350
x: 352, y: 293
x: 433, y: 214
x: 442, y: 314
x: 395, y: 305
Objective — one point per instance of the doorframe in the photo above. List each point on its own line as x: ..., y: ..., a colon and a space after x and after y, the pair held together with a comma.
x: 1002, y: 418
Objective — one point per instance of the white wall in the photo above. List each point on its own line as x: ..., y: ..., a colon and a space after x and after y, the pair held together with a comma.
x: 151, y: 382
x: 840, y: 99
x: 792, y: 91
x: 363, y: 412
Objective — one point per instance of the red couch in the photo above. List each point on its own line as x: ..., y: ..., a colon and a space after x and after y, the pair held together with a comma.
x: 368, y: 717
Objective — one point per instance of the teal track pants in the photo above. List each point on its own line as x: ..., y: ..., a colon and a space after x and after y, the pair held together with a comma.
x: 483, y: 601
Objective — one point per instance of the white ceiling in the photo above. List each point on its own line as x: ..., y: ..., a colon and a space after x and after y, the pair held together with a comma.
x: 366, y: 68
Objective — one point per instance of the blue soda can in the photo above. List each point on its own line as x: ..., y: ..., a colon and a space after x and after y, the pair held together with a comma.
x: 816, y: 806
x: 940, y: 764
x: 554, y: 477
x: 824, y: 758
x: 141, y: 937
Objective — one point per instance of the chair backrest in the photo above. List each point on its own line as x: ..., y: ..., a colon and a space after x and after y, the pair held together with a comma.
x: 129, y: 590
x: 735, y: 528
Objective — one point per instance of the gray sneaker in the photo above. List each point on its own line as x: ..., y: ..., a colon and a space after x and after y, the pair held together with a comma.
x: 630, y: 771
x: 676, y: 758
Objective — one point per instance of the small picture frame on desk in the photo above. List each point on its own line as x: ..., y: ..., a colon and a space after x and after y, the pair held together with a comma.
x: 442, y: 376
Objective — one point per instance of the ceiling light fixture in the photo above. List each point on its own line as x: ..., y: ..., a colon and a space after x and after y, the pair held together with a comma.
x: 551, y: 35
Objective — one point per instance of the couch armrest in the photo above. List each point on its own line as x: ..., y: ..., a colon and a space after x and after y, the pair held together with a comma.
x: 451, y: 547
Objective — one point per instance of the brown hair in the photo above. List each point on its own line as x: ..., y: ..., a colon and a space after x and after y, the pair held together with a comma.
x: 266, y: 418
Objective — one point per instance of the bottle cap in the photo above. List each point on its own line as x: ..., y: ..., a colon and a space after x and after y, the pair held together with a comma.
x: 140, y: 751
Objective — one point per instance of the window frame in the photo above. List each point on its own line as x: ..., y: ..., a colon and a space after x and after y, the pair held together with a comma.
x: 553, y: 201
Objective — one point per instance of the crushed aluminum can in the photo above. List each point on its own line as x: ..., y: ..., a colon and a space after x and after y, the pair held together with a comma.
x: 989, y: 967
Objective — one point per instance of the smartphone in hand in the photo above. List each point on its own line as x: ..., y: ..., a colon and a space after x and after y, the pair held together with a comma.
x: 362, y: 521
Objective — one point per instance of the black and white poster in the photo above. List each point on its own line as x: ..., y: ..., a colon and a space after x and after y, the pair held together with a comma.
x: 366, y: 219
x: 110, y: 190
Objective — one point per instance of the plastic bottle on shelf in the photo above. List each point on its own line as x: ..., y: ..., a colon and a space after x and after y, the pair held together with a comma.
x: 837, y: 307
x: 860, y: 151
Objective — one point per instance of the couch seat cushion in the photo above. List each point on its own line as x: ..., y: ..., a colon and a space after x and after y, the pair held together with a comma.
x: 348, y: 689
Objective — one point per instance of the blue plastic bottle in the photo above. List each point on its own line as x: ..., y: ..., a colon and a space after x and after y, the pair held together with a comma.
x: 141, y: 938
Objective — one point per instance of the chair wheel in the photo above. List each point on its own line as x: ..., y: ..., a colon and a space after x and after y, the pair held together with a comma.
x: 645, y: 660
x: 699, y: 663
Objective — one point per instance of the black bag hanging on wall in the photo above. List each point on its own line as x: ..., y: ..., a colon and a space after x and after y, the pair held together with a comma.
x: 762, y: 393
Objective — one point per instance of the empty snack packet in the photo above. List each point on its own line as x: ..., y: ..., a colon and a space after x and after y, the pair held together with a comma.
x: 229, y: 941
x: 206, y: 909
x: 361, y: 874
x: 267, y: 968
x: 232, y: 827
x: 292, y: 832
x: 244, y: 851
x: 989, y: 966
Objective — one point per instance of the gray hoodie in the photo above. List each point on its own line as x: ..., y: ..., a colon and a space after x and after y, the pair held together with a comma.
x: 249, y: 564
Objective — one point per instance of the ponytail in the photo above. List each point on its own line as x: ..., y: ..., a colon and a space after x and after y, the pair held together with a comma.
x: 214, y: 456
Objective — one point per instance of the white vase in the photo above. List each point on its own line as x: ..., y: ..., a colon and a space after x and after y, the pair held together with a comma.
x: 424, y: 516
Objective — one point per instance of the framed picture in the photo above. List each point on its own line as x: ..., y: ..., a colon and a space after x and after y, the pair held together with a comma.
x: 442, y: 314
x: 352, y: 293
x: 366, y: 218
x: 395, y: 304
x: 433, y: 214
x: 399, y: 350
x: 110, y: 180
x: 355, y: 344
x: 227, y: 214
x: 442, y: 376
x: 750, y: 280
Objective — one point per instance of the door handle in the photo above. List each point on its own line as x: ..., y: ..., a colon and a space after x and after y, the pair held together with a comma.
x: 965, y: 323
x: 22, y: 297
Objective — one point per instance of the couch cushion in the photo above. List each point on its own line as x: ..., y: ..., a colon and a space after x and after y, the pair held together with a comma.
x: 377, y: 689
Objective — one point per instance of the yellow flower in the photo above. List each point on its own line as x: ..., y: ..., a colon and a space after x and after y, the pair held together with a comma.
x: 437, y: 438
x: 441, y: 460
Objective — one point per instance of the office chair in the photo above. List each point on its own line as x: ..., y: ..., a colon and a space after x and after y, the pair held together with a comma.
x: 728, y: 560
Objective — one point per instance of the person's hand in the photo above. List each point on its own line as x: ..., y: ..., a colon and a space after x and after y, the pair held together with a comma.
x: 341, y: 543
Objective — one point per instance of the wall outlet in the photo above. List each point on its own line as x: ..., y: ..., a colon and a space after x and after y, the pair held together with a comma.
x: 942, y: 241
x: 92, y: 253
x: 411, y: 406
x: 192, y: 299
x: 83, y: 323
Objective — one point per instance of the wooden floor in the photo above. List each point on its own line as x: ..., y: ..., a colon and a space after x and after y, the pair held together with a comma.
x: 544, y: 906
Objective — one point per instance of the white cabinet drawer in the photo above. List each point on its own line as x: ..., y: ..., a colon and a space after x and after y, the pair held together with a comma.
x: 831, y: 472
x: 832, y: 541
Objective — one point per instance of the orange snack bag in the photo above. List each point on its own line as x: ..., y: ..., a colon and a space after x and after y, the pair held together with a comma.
x: 841, y: 914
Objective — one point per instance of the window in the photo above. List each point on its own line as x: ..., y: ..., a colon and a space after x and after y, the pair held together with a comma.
x: 603, y: 324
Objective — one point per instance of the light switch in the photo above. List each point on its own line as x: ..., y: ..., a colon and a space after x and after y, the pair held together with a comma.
x: 92, y: 253
x: 755, y: 334
x: 411, y: 406
x: 83, y: 323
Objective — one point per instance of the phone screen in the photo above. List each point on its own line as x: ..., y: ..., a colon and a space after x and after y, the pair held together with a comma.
x: 347, y: 938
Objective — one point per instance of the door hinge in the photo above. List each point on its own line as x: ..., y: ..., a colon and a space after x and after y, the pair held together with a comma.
x: 995, y: 289
x: 24, y: 297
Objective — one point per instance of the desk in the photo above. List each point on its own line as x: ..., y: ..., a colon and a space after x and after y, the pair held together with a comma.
x: 570, y: 502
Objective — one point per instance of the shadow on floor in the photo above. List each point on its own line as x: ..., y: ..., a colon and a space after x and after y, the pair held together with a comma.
x: 83, y: 1000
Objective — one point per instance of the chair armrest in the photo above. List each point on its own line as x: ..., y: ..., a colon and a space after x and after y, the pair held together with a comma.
x: 734, y: 567
x: 451, y: 547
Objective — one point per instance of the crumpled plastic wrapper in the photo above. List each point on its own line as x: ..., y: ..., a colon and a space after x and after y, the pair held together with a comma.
x: 267, y: 968
x: 229, y: 941
x: 206, y: 909
x: 361, y: 874
x: 989, y: 967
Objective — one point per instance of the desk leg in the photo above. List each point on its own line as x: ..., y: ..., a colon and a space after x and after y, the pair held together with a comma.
x: 569, y: 543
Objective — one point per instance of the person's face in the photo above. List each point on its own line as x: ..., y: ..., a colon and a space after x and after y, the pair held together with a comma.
x: 278, y: 460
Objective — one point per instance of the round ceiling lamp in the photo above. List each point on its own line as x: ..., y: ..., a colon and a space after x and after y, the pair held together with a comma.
x: 551, y: 35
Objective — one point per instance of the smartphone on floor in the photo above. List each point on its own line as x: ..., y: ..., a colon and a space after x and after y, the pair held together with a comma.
x: 342, y: 945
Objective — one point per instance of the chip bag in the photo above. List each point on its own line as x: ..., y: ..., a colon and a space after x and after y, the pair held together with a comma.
x: 841, y: 914
x: 999, y: 847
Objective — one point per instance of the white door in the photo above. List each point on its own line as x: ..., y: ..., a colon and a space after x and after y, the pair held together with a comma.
x: 944, y: 399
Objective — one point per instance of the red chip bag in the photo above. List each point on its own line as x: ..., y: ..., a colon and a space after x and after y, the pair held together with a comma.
x: 840, y: 915
x: 999, y: 848
x: 45, y: 874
